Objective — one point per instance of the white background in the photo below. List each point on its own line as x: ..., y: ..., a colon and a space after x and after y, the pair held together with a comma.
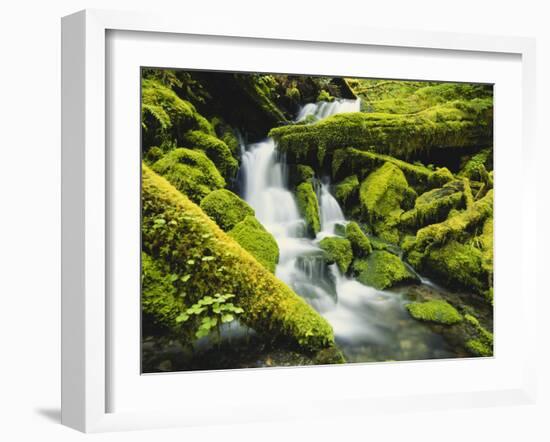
x: 30, y: 217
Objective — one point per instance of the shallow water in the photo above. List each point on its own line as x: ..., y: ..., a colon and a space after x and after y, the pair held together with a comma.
x: 369, y: 324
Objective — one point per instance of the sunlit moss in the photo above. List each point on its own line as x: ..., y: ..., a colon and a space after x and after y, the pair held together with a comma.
x: 178, y: 232
x: 253, y: 237
x: 309, y: 207
x: 382, y: 270
x: 226, y: 208
x: 337, y: 250
x: 359, y: 241
x: 166, y: 117
x: 215, y: 149
x: 191, y: 172
x: 433, y: 206
x: 347, y: 191
x: 453, y: 125
x: 436, y: 310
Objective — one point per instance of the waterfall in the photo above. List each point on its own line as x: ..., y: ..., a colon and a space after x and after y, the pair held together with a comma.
x: 358, y: 314
x: 325, y: 109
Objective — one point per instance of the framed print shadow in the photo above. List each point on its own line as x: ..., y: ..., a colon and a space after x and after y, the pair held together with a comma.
x: 293, y: 220
x: 251, y: 232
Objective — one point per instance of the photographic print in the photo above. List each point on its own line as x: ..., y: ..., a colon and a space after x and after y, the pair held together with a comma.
x: 294, y: 220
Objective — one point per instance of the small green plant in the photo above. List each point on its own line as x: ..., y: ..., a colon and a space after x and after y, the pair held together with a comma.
x: 209, y: 313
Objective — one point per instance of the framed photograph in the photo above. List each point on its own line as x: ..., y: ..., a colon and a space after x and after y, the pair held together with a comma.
x: 268, y: 223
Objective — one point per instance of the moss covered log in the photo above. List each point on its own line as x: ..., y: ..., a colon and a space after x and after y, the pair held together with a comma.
x: 206, y: 261
x: 451, y: 126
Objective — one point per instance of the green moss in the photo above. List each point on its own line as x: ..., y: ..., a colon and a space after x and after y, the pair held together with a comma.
x: 215, y: 149
x: 324, y: 96
x: 166, y: 117
x: 457, y: 265
x: 478, y: 348
x: 440, y: 177
x: 360, y: 244
x: 190, y: 243
x: 225, y: 133
x: 383, y: 195
x: 382, y: 270
x: 454, y: 125
x: 476, y: 167
x: 347, y: 191
x: 154, y: 154
x: 261, y: 244
x: 309, y: 207
x: 433, y: 206
x: 337, y: 250
x: 226, y: 208
x: 191, y: 172
x: 361, y: 163
x: 457, y: 226
x: 160, y: 299
x: 436, y: 310
x: 304, y: 173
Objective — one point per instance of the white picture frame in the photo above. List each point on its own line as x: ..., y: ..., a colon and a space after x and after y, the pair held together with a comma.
x: 86, y: 316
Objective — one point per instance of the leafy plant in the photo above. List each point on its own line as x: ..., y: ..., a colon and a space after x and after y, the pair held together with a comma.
x: 209, y: 313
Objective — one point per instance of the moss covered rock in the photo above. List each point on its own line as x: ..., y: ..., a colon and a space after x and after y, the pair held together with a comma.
x: 337, y: 250
x: 438, y: 311
x: 360, y: 243
x: 191, y: 172
x: 165, y: 117
x: 226, y: 208
x: 457, y: 264
x: 309, y: 207
x: 382, y: 270
x: 383, y: 196
x: 261, y: 244
x: 206, y: 261
x: 215, y: 149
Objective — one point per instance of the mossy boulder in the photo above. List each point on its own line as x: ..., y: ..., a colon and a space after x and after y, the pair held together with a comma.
x: 254, y: 238
x: 309, y: 207
x: 226, y: 133
x: 360, y: 243
x: 226, y: 208
x: 304, y: 173
x: 438, y: 311
x: 383, y: 196
x: 191, y: 172
x: 337, y: 250
x: 477, y: 166
x: 215, y: 149
x: 204, y: 260
x: 482, y: 343
x: 457, y: 264
x: 165, y: 117
x: 382, y: 270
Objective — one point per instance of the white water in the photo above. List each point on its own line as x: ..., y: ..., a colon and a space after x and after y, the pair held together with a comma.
x: 361, y: 316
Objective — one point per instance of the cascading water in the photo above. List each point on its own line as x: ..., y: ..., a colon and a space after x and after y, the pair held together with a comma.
x: 368, y: 324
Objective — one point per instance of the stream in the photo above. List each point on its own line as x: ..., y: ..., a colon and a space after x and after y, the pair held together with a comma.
x: 369, y: 324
